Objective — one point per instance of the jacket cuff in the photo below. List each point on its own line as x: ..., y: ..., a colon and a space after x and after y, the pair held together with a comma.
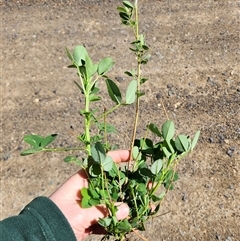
x: 50, y: 219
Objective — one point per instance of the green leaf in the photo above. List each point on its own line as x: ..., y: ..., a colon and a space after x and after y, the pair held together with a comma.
x: 105, y: 222
x: 171, y: 176
x: 93, y: 97
x: 31, y: 151
x: 146, y: 145
x: 79, y: 55
x: 92, y: 193
x: 84, y: 192
x: 156, y: 166
x: 139, y: 94
x: 85, y: 198
x: 81, y: 89
x: 166, y: 151
x: 94, y: 202
x: 145, y: 47
x: 47, y: 140
x: 158, y: 198
x: 69, y: 55
x: 168, y: 130
x: 114, y: 91
x: 143, y: 80
x: 105, y: 65
x: 69, y: 159
x: 122, y: 9
x: 141, y: 39
x: 153, y: 128
x: 131, y: 92
x: 182, y: 143
x: 195, y: 140
x: 129, y: 73
x: 115, y: 193
x: 104, y: 193
x: 96, y: 138
x: 124, y: 226
x: 145, y: 58
x: 175, y: 177
x: 145, y: 172
x: 135, y: 152
x: 128, y: 4
x: 124, y: 16
x: 106, y: 127
x: 141, y: 188
x: 98, y: 153
x: 94, y: 170
x: 33, y: 140
x: 168, y: 185
x: 83, y: 71
x: 108, y: 164
x: 85, y: 203
x: 94, y: 89
x: 91, y: 68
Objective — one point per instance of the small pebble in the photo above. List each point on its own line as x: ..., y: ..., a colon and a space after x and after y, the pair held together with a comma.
x: 211, y: 140
x: 231, y: 151
x: 36, y: 100
x: 158, y: 96
x: 184, y: 197
x: 210, y: 80
x: 221, y: 137
x: 160, y: 56
x: 119, y: 79
x: 218, y: 237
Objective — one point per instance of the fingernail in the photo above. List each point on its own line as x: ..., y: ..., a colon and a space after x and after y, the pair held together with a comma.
x: 123, y: 211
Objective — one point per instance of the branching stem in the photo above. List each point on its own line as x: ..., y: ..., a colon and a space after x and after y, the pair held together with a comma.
x: 138, y: 85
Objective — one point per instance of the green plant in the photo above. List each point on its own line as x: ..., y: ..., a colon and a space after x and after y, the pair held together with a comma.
x: 152, y: 166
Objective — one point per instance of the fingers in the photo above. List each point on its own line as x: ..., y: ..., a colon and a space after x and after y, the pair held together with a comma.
x: 123, y: 212
x: 120, y: 155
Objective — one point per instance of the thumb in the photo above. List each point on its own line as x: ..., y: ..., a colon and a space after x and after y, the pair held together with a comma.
x: 123, y: 210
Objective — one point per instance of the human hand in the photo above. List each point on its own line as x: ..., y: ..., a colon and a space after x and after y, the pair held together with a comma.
x: 68, y: 198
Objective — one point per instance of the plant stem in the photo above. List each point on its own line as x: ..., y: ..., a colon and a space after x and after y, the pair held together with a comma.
x: 107, y: 112
x: 63, y: 149
x: 134, y: 199
x: 87, y: 121
x: 138, y: 84
x: 105, y: 125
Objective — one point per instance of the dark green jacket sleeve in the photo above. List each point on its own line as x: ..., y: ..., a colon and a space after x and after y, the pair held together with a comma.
x: 40, y: 220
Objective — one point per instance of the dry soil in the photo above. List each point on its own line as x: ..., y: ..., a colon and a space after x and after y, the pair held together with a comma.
x: 194, y: 71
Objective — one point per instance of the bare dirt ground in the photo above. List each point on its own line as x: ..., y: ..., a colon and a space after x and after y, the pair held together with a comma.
x: 194, y: 69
